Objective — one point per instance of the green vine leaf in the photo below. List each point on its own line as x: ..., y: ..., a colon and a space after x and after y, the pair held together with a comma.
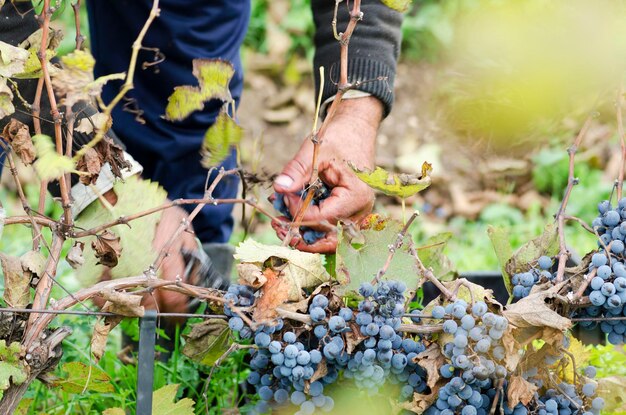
x: 213, y: 76
x: 11, y: 369
x: 432, y: 256
x: 393, y: 184
x: 81, y: 377
x: 398, y: 5
x: 207, y: 341
x: 50, y: 164
x: 357, y: 263
x: 500, y: 240
x: 545, y: 244
x: 163, y: 402
x: 219, y: 138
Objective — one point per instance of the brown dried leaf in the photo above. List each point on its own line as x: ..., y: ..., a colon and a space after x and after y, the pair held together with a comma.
x: 107, y: 248
x: 533, y: 311
x: 320, y: 372
x: 75, y: 255
x: 273, y: 293
x: 17, y: 134
x: 520, y: 390
x: 513, y: 351
x: 113, y: 154
x: 354, y: 337
x: 431, y: 360
x: 33, y: 262
x: 122, y: 303
x: 16, y: 282
x: 89, y: 166
x: 100, y: 334
x: 251, y: 275
x: 421, y: 402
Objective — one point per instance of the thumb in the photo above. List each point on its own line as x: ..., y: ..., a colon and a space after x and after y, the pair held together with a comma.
x: 293, y: 178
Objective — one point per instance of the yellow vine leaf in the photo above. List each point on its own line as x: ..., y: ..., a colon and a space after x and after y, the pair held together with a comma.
x: 213, y: 76
x: 163, y: 402
x: 219, y: 138
x: 395, y: 184
x: 79, y: 60
x: 398, y: 5
x: 183, y: 101
x: 50, y: 164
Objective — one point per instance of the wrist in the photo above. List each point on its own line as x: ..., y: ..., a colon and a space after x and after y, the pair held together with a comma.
x: 366, y: 111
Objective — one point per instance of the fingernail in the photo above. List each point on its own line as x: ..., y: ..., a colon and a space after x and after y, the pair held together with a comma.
x: 284, y: 181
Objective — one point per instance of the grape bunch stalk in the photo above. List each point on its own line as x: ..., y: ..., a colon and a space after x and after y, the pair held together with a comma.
x: 309, y: 235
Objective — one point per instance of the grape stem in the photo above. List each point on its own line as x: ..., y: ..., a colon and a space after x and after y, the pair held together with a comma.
x: 560, y: 215
x: 393, y: 248
x: 428, y: 274
x: 622, y: 136
x: 581, y: 290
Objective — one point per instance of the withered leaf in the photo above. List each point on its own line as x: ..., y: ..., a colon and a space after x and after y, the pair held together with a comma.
x: 513, y: 352
x: 17, y: 134
x: 354, y: 337
x: 207, y: 341
x: 89, y: 166
x: 520, y: 390
x: 273, y: 293
x: 107, y: 248
x: 431, y: 360
x: 421, y: 402
x: 16, y: 282
x: 320, y: 371
x: 533, y: 311
x: 100, y: 334
x: 122, y: 303
x: 113, y: 154
x: 251, y: 275
x: 75, y: 255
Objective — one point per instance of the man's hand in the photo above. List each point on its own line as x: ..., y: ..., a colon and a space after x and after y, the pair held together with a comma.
x: 350, y: 136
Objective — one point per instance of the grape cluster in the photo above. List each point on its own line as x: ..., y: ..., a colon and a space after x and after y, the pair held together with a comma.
x: 607, y: 288
x: 285, y: 364
x: 385, y: 355
x: 523, y: 282
x: 475, y: 358
x: 310, y: 236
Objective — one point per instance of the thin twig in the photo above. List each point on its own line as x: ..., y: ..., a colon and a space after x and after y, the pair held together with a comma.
x: 622, y: 137
x: 428, y: 274
x: 79, y: 38
x: 128, y: 83
x: 393, y: 248
x: 560, y: 215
